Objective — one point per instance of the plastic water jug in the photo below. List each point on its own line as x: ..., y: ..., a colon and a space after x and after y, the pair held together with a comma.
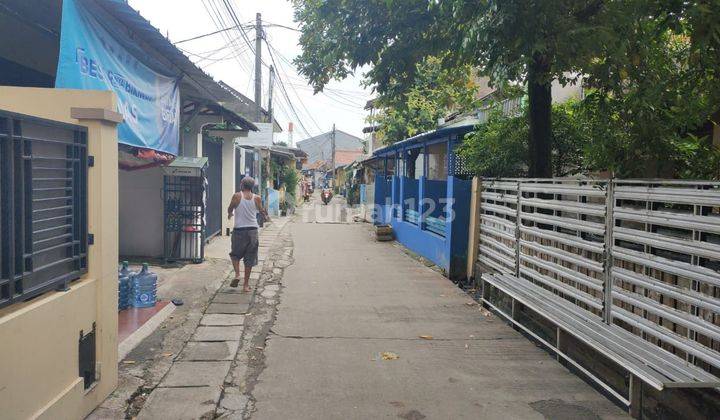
x: 124, y: 285
x: 144, y: 288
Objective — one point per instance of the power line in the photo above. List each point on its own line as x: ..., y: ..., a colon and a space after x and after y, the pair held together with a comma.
x: 214, y: 13
x: 273, y: 49
x: 205, y: 35
x: 231, y: 55
x: 284, y: 91
x: 277, y: 25
x: 335, y: 95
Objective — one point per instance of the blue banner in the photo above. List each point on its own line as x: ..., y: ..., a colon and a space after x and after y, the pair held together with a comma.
x: 92, y: 58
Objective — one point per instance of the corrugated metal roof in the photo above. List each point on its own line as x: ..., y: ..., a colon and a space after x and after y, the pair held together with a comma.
x: 466, y: 126
x: 196, y: 83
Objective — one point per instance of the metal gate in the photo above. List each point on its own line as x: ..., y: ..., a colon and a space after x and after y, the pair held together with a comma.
x: 43, y: 205
x: 184, y: 194
x: 213, y: 151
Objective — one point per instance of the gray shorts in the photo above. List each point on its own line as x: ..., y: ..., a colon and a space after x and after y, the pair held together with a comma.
x: 244, y: 246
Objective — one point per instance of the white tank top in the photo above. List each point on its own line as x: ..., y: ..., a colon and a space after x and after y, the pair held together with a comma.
x: 246, y: 213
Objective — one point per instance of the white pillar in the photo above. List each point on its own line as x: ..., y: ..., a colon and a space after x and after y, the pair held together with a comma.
x: 199, y: 145
x: 228, y: 178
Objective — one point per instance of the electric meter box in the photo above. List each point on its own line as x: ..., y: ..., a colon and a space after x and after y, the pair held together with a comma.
x: 186, y: 166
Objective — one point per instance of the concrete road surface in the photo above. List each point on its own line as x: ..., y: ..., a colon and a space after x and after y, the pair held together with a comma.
x: 348, y: 303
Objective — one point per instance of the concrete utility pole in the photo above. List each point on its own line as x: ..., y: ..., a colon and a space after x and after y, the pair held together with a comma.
x: 258, y: 65
x: 332, y: 158
x: 270, y: 94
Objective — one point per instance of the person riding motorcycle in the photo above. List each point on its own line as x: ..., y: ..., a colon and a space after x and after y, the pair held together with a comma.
x: 326, y: 195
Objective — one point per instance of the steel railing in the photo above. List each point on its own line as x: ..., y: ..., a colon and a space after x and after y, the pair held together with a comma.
x: 643, y: 254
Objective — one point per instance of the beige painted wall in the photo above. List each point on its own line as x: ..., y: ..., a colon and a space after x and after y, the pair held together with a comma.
x: 39, y: 338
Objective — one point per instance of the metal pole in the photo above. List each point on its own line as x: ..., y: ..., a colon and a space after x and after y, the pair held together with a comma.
x: 258, y: 65
x: 270, y: 96
x: 332, y: 158
x: 609, y: 242
x: 518, y: 225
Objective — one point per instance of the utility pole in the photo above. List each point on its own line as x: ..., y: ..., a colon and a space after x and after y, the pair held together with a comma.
x: 270, y: 94
x: 258, y: 65
x: 332, y: 158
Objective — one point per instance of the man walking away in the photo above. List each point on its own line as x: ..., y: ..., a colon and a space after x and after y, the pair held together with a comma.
x: 245, y: 206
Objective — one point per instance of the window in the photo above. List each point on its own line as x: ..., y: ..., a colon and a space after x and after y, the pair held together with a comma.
x: 43, y: 206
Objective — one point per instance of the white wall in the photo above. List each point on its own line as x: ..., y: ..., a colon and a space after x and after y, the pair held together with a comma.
x: 264, y: 137
x: 141, y: 212
x: 561, y: 94
x: 228, y: 181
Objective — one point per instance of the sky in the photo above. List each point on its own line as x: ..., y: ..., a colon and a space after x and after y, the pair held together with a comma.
x: 227, y: 57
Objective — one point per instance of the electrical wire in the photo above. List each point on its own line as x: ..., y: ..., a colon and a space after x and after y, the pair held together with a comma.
x: 206, y: 35
x: 216, y: 19
x: 284, y: 91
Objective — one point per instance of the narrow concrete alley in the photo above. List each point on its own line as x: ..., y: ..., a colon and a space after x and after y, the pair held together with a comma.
x: 363, y: 331
x: 339, y: 327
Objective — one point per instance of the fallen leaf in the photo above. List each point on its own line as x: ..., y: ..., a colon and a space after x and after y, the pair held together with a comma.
x: 471, y: 303
x: 426, y: 337
x: 388, y: 355
x: 167, y: 354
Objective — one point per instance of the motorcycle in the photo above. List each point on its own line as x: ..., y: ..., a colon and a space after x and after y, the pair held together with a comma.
x: 326, y: 196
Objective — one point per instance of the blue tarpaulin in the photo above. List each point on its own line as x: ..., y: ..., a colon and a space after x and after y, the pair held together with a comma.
x: 91, y: 57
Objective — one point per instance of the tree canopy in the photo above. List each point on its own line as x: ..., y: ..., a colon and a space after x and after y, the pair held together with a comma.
x: 536, y: 42
x: 434, y: 92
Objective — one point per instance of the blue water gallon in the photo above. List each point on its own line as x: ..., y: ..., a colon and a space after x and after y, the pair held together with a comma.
x: 144, y: 288
x: 124, y: 285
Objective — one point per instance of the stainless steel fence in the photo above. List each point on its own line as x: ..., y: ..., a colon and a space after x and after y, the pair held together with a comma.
x: 498, y: 225
x: 641, y: 254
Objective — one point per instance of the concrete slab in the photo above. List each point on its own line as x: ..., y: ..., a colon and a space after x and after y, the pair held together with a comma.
x: 184, y: 374
x: 371, y: 298
x: 218, y: 334
x: 181, y: 403
x: 226, y: 308
x: 231, y: 290
x: 432, y: 378
x: 221, y: 320
x: 267, y: 294
x: 234, y: 400
x: 236, y: 298
x: 209, y: 350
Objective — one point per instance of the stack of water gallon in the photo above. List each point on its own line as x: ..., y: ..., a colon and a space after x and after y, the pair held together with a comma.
x: 136, y: 289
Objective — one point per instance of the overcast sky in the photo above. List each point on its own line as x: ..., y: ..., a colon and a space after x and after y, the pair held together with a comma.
x: 342, y: 103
